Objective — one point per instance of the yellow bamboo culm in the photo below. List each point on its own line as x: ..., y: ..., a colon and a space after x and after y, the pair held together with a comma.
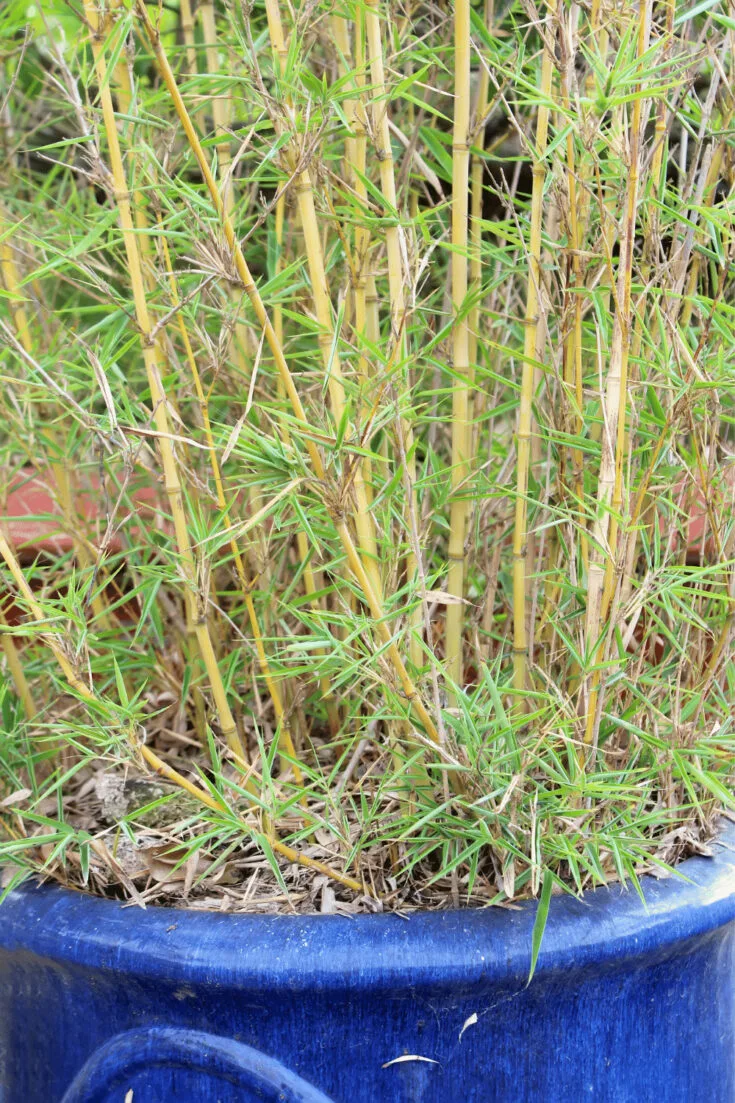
x: 221, y: 106
x: 124, y: 92
x: 69, y: 672
x: 328, y: 338
x: 187, y: 33
x: 362, y: 232
x: 372, y: 600
x: 354, y: 172
x: 461, y: 428
x: 219, y: 103
x: 10, y: 279
x: 477, y: 171
x: 153, y: 364
x: 603, y: 545
x: 396, y: 275
x: 313, y: 582
x: 530, y: 354
x: 573, y: 367
x: 650, y: 237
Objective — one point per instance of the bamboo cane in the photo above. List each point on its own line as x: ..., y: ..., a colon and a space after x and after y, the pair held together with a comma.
x: 520, y: 531
x: 573, y: 368
x: 604, y: 538
x: 461, y: 430
x: 313, y: 583
x: 17, y: 673
x: 220, y: 105
x: 328, y: 338
x: 187, y: 33
x: 11, y: 281
x: 477, y: 172
x: 398, y: 311
x: 649, y: 238
x: 124, y: 92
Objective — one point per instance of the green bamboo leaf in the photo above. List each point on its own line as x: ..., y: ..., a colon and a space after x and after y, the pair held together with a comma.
x: 539, y: 924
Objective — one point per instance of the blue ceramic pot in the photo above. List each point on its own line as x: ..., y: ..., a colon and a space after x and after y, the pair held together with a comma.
x: 628, y: 1003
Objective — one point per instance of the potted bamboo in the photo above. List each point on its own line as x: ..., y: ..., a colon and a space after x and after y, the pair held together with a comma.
x: 405, y: 771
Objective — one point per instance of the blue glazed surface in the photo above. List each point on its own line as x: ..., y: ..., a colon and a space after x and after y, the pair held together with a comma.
x: 628, y: 1004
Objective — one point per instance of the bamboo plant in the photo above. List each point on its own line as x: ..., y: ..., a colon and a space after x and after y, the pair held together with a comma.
x: 416, y: 329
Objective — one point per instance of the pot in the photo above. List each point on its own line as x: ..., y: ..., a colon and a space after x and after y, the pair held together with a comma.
x: 34, y: 521
x: 628, y: 1004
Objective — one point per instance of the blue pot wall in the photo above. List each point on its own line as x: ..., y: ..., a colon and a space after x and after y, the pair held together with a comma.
x: 628, y: 1003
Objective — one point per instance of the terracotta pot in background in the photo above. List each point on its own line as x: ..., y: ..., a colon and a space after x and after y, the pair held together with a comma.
x: 34, y: 523
x: 31, y: 508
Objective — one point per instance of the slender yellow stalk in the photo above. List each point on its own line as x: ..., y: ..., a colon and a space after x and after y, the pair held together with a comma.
x: 650, y: 239
x: 313, y: 582
x: 354, y: 173
x: 604, y: 541
x: 153, y: 364
x: 396, y: 277
x: 69, y: 672
x: 275, y: 843
x: 477, y: 173
x: 124, y: 92
x: 328, y: 338
x: 187, y: 33
x: 251, y: 290
x: 10, y: 280
x: 530, y: 353
x: 15, y: 666
x: 573, y: 368
x: 364, y: 329
x: 461, y: 429
x: 219, y: 102
x: 345, y: 65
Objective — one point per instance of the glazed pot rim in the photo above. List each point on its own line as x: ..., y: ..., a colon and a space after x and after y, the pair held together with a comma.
x: 330, y: 952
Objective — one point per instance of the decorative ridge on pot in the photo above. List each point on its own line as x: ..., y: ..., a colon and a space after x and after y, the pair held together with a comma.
x: 626, y: 1005
x: 325, y: 952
